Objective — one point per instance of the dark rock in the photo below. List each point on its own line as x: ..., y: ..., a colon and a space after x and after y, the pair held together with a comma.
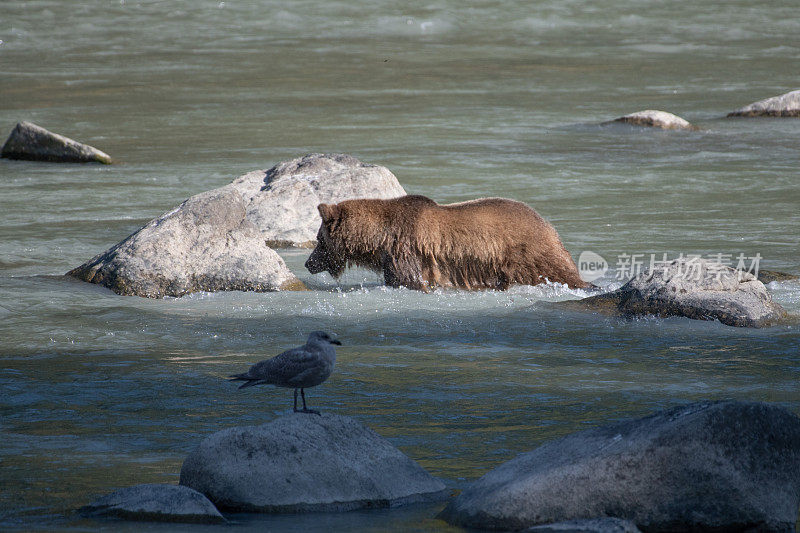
x: 155, y: 502
x: 301, y: 463
x: 656, y: 119
x: 206, y: 244
x: 693, y: 288
x: 32, y: 142
x: 768, y: 276
x: 719, y: 466
x: 785, y: 105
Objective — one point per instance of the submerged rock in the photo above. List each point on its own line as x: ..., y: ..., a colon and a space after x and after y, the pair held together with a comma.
x: 206, y: 244
x: 768, y: 276
x: 32, y: 142
x: 155, y: 502
x: 785, y: 105
x: 282, y: 201
x: 719, y: 466
x: 656, y: 119
x: 693, y: 288
x: 301, y: 463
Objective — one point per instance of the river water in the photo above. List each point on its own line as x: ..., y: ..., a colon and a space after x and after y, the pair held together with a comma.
x: 460, y: 100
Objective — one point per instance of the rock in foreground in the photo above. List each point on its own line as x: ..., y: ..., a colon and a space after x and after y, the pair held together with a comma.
x: 206, y: 244
x: 785, y: 105
x: 721, y: 466
x: 301, y: 463
x: 282, y: 201
x: 656, y: 119
x: 693, y: 288
x: 155, y: 502
x: 32, y: 142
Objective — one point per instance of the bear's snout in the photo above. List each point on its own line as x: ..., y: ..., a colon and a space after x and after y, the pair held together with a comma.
x: 313, y: 263
x: 321, y: 259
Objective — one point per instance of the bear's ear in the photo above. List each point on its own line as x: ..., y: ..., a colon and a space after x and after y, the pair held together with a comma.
x: 329, y: 214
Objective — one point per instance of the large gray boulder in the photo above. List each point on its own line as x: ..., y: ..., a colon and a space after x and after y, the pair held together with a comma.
x: 656, y: 119
x: 32, y: 142
x: 206, y: 244
x: 219, y: 240
x: 282, y: 201
x: 155, y: 502
x: 693, y: 288
x: 721, y: 466
x: 301, y: 463
x: 785, y: 105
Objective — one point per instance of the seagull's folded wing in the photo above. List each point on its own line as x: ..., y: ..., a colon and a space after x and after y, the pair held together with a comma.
x: 286, y: 368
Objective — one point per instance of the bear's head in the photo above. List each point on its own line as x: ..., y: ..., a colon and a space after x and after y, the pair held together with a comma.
x: 329, y: 253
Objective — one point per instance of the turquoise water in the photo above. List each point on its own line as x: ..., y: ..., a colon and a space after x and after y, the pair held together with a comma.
x: 459, y: 100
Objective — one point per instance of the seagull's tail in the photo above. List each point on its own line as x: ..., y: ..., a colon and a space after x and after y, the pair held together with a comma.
x: 244, y: 377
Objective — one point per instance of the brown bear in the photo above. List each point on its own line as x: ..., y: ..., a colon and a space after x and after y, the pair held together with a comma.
x: 488, y: 243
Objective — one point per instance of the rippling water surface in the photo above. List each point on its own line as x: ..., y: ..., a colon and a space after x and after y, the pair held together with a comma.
x: 459, y: 100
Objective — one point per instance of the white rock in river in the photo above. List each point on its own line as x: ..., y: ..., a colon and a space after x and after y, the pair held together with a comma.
x: 206, y: 244
x: 32, y: 142
x: 219, y: 240
x: 656, y: 119
x: 785, y: 105
x: 282, y: 201
x: 692, y: 288
x: 304, y: 462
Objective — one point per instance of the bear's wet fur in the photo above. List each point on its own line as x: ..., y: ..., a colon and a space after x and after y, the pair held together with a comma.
x: 489, y: 243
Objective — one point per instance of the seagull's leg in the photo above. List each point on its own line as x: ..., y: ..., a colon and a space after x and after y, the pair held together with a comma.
x: 306, y: 409
x: 295, y: 400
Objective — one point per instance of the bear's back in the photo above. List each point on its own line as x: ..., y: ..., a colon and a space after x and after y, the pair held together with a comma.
x: 495, y: 212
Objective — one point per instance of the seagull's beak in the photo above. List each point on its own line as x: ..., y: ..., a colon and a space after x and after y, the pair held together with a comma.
x: 336, y: 341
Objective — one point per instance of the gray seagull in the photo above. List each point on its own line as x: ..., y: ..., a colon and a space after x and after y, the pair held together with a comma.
x: 298, y: 368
